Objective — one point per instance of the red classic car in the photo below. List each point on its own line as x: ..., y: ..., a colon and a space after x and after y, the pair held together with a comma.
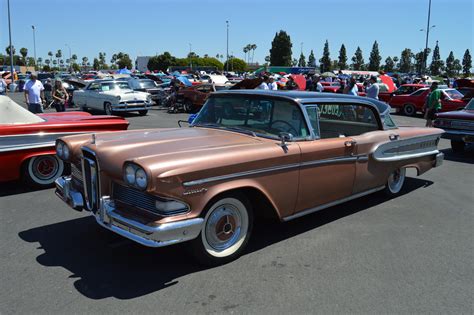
x: 409, y: 105
x: 458, y: 126
x: 27, y: 140
x: 331, y: 87
x: 404, y: 89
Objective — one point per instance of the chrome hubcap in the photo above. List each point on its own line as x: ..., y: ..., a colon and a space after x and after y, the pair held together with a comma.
x: 223, y: 227
x: 396, y: 179
x: 45, y: 168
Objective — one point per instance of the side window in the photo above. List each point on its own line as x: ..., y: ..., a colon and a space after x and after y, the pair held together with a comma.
x: 313, y: 118
x: 345, y: 120
x: 94, y: 86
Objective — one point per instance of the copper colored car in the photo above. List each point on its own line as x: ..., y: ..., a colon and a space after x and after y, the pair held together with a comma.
x: 246, y: 152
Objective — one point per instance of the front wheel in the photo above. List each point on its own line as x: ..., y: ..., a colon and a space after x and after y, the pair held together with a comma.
x: 457, y: 146
x: 226, y: 231
x: 188, y: 106
x: 142, y: 112
x: 42, y: 171
x: 108, y: 108
x: 395, y: 182
x: 409, y: 110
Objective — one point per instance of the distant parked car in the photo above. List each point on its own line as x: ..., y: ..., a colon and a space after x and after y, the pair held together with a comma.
x: 458, y: 126
x: 405, y: 89
x: 409, y: 105
x: 149, y: 86
x: 112, y: 97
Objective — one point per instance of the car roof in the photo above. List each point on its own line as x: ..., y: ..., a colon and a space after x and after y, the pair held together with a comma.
x: 305, y: 98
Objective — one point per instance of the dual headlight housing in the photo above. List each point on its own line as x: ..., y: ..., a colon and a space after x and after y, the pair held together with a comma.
x: 134, y: 175
x: 62, y: 150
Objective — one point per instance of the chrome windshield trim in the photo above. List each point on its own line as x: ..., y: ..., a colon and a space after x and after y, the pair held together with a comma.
x: 331, y: 204
x: 271, y: 169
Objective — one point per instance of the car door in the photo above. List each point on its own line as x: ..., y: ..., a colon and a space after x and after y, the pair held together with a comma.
x: 327, y: 164
x: 91, y: 97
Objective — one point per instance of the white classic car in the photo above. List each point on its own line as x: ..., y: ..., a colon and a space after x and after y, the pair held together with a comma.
x: 112, y: 97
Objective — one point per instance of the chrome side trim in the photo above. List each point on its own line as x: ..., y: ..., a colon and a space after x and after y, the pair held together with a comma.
x: 330, y: 204
x: 404, y: 149
x: 31, y: 141
x: 274, y: 169
x: 459, y: 132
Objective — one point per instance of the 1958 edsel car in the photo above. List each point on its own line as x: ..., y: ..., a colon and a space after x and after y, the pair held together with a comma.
x: 247, y: 151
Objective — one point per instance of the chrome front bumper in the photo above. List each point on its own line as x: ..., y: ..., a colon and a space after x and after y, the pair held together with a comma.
x: 439, y: 159
x: 131, y: 107
x: 152, y: 236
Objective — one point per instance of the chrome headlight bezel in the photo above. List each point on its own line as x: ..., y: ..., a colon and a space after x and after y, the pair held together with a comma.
x: 62, y: 150
x: 130, y: 171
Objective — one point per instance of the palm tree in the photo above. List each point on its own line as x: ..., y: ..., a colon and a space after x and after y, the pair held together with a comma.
x: 249, y: 48
x: 24, y: 53
x: 50, y: 54
x: 8, y: 50
x: 253, y: 47
x: 40, y: 61
x: 59, y: 54
x: 246, y: 50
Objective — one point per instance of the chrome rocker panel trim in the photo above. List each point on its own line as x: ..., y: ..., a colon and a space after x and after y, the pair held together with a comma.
x: 151, y: 236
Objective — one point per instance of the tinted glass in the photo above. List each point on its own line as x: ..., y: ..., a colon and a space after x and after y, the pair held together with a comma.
x: 454, y: 94
x: 263, y: 116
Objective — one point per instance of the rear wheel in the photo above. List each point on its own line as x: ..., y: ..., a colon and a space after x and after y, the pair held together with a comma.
x: 395, y: 182
x: 188, y: 106
x: 226, y: 230
x: 108, y: 108
x: 457, y: 146
x: 142, y: 112
x: 409, y: 110
x: 42, y: 171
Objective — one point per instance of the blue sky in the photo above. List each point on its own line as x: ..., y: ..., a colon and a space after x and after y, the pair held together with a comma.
x: 147, y: 27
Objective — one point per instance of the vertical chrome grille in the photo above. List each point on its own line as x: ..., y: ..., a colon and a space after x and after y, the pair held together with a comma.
x: 90, y: 173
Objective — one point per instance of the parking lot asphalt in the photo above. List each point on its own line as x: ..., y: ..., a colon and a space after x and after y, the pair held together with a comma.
x: 410, y: 254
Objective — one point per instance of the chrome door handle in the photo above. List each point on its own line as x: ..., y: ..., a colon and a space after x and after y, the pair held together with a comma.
x: 350, y: 143
x: 393, y: 137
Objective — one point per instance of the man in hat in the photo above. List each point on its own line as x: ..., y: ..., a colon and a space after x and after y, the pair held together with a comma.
x: 34, y: 94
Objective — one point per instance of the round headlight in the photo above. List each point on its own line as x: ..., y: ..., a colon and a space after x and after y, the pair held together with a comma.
x: 59, y: 149
x: 65, y: 151
x: 129, y: 175
x: 141, y: 179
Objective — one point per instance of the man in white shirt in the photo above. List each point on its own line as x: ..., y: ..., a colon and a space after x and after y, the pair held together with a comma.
x: 317, y: 84
x: 34, y: 94
x: 373, y: 90
x: 264, y: 84
x: 272, y: 85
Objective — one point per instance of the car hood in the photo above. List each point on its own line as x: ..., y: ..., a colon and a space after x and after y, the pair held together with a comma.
x: 128, y: 95
x: 459, y: 114
x: 168, y: 152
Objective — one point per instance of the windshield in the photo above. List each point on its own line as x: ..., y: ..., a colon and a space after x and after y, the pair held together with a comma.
x: 454, y: 94
x: 147, y: 84
x: 470, y: 105
x: 256, y: 115
x: 108, y: 86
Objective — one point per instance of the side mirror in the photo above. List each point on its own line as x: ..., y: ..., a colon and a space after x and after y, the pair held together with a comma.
x: 284, y: 138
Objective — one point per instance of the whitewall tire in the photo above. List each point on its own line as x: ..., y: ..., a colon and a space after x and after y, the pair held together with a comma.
x: 43, y: 170
x: 395, y: 182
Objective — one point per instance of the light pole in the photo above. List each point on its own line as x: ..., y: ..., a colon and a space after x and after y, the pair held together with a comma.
x: 11, y: 47
x: 227, y: 59
x: 34, y: 42
x: 427, y: 35
x: 70, y: 56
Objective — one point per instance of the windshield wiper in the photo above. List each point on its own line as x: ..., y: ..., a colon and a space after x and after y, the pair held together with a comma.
x: 219, y: 126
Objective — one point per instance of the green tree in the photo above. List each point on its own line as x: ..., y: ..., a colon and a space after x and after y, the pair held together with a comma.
x: 50, y: 54
x: 325, y: 61
x: 24, y: 53
x: 375, y: 58
x: 59, y: 54
x: 396, y: 66
x: 46, y: 68
x: 450, y: 71
x: 466, y: 63
x: 437, y: 64
x: 124, y: 62
x: 342, y: 60
x: 84, y: 61
x: 76, y: 67
x: 161, y: 62
x: 457, y: 66
x: 420, y: 60
x: 236, y: 64
x: 30, y: 62
x: 280, y: 53
x: 302, y: 61
x: 406, y: 59
x: 12, y: 49
x: 96, y: 64
x: 311, y: 59
x: 358, y: 60
x: 40, y: 62
x: 253, y: 47
x: 389, y: 65
x: 102, y: 62
x: 245, y: 50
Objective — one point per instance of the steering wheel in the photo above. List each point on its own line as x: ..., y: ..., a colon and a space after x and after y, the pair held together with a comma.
x: 291, y: 128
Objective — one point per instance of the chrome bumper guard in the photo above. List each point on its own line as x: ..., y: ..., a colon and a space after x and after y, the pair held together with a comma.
x: 152, y: 236
x: 439, y: 159
x: 66, y: 192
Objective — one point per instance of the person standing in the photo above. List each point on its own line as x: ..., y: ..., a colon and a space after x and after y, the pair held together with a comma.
x: 3, y: 86
x: 351, y: 87
x: 60, y: 96
x: 264, y: 84
x: 291, y: 84
x: 272, y: 85
x: 34, y: 94
x: 433, y: 104
x: 317, y: 86
x: 373, y: 89
x: 48, y: 88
